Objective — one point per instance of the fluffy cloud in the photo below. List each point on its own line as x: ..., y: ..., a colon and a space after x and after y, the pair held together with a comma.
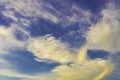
x: 49, y: 48
x: 104, y: 35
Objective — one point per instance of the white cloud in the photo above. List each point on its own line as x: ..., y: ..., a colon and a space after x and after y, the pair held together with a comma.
x: 4, y: 63
x: 10, y: 14
x: 104, y: 35
x: 8, y: 41
x: 49, y: 48
x: 29, y: 8
x: 24, y: 22
x: 12, y: 73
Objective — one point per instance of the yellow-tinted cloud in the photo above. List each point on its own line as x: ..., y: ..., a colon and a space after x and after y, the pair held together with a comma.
x: 81, y: 69
x: 82, y: 55
x: 90, y: 70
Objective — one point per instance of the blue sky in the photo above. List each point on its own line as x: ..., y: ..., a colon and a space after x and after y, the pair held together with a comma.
x: 49, y: 39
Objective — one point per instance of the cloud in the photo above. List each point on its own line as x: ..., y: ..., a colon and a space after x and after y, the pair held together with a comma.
x: 10, y: 14
x: 49, y: 48
x: 8, y: 39
x: 27, y: 8
x: 73, y: 66
x: 104, y: 34
x: 80, y: 67
x: 82, y: 55
x: 11, y: 73
x: 45, y: 10
x: 4, y: 63
x: 91, y: 70
x: 9, y: 43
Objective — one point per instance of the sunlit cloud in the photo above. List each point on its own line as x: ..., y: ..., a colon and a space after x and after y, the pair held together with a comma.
x: 98, y: 68
x: 80, y: 69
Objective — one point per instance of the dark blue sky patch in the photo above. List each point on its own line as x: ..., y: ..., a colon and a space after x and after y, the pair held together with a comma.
x: 43, y: 27
x: 65, y: 7
x: 92, y: 54
x: 24, y: 62
x: 20, y: 35
x: 75, y: 36
x: 94, y: 6
x: 6, y: 21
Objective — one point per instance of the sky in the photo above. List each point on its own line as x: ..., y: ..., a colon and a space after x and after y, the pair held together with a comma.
x: 59, y: 40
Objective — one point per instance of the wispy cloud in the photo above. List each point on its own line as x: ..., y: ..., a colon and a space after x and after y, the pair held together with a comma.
x: 8, y: 40
x: 45, y: 10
